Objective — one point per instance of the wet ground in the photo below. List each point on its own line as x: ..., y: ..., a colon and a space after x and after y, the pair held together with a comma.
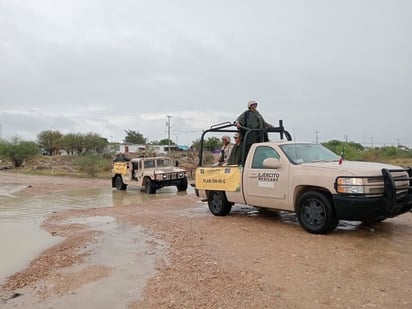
x: 167, y: 251
x: 21, y: 237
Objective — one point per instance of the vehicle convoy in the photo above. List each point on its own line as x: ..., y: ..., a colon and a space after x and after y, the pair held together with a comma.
x: 150, y: 174
x: 305, y: 178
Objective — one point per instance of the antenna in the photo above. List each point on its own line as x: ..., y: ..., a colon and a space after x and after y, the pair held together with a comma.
x: 168, y: 133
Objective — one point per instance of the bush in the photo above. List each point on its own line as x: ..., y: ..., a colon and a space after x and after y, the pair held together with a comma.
x: 92, y: 165
x: 18, y: 150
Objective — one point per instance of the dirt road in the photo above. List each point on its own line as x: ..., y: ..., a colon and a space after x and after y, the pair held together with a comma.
x: 245, y: 260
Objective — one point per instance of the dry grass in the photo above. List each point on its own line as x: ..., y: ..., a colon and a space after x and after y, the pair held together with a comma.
x: 404, y: 162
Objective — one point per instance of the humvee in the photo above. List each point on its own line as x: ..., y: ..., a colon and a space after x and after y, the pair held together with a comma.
x: 150, y: 174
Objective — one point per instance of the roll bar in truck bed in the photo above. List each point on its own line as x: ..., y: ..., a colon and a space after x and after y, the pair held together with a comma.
x: 229, y: 127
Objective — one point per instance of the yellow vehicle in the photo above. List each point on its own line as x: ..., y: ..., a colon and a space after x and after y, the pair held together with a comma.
x: 150, y: 174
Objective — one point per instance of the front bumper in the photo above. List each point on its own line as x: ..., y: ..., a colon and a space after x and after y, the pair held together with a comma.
x: 369, y: 209
x: 394, y: 201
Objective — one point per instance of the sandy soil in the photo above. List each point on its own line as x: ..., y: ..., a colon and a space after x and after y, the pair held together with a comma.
x: 244, y: 260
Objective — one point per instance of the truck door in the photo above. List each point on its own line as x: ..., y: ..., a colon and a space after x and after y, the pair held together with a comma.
x: 264, y: 186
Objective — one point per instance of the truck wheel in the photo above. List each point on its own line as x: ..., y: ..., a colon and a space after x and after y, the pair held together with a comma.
x: 182, y: 186
x: 119, y: 183
x: 218, y: 204
x: 149, y: 187
x: 315, y: 213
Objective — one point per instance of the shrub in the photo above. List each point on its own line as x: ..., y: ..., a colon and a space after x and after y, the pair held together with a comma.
x: 91, y: 165
x: 18, y: 150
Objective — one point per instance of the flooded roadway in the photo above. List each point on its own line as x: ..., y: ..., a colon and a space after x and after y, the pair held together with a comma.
x: 22, y: 239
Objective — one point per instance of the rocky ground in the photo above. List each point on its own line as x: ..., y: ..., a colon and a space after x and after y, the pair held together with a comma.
x: 245, y: 260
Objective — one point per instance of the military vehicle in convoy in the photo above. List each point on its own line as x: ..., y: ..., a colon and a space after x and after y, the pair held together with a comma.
x: 305, y: 178
x: 150, y: 174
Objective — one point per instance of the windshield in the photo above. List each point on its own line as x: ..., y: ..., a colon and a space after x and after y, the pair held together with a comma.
x: 163, y: 162
x: 304, y: 153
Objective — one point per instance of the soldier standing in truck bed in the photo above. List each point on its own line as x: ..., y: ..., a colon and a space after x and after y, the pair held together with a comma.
x: 252, y: 119
x: 225, y: 150
x: 237, y: 150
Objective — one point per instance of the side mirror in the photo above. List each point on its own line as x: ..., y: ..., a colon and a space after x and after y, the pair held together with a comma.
x: 272, y: 163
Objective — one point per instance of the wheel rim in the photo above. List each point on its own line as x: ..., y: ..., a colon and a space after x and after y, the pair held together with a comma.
x: 313, y: 212
x: 216, y: 202
x: 119, y: 183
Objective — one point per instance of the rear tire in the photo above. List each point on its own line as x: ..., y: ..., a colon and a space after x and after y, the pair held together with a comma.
x: 315, y: 213
x: 120, y: 185
x: 149, y: 186
x: 218, y: 204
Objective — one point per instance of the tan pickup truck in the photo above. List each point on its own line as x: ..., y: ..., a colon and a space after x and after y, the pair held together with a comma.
x: 150, y: 174
x: 308, y: 179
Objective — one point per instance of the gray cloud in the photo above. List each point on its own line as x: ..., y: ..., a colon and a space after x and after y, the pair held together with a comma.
x: 339, y: 68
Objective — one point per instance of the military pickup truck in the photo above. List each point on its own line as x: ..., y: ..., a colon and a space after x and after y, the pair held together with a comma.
x: 305, y: 178
x: 150, y: 174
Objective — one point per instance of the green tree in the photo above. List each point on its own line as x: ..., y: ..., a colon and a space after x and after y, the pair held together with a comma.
x: 212, y: 143
x: 134, y: 137
x: 90, y: 143
x: 72, y: 143
x: 94, y: 143
x: 18, y: 150
x: 50, y: 141
x: 351, y: 150
x: 209, y: 144
x: 196, y: 144
x: 166, y: 141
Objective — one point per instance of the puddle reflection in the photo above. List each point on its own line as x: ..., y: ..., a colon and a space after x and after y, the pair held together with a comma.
x: 15, y: 207
x: 134, y: 196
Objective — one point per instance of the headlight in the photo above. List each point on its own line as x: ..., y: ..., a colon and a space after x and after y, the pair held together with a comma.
x: 350, y: 185
x: 161, y: 177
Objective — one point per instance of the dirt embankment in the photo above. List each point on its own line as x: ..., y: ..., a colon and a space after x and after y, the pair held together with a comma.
x: 245, y: 260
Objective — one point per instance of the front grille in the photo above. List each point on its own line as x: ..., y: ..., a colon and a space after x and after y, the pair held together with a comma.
x: 398, y: 187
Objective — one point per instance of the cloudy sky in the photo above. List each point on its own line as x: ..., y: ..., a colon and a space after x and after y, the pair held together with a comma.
x: 331, y: 69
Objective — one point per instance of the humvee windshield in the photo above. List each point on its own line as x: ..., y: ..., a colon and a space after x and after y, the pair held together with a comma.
x: 164, y: 162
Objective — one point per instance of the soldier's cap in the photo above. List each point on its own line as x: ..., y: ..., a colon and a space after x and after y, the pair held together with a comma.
x: 252, y: 102
x: 237, y: 135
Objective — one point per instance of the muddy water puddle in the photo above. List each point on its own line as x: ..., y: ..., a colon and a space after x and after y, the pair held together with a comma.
x: 22, y: 239
x: 121, y: 260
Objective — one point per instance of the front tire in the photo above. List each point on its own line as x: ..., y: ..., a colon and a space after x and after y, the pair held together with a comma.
x: 218, y: 204
x: 120, y: 185
x: 315, y: 213
x: 149, y: 186
x: 182, y: 186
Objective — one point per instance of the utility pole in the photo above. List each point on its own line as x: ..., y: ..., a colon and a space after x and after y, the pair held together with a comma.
x: 317, y: 136
x: 168, y: 133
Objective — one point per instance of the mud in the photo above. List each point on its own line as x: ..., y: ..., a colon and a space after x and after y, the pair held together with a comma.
x: 170, y: 252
